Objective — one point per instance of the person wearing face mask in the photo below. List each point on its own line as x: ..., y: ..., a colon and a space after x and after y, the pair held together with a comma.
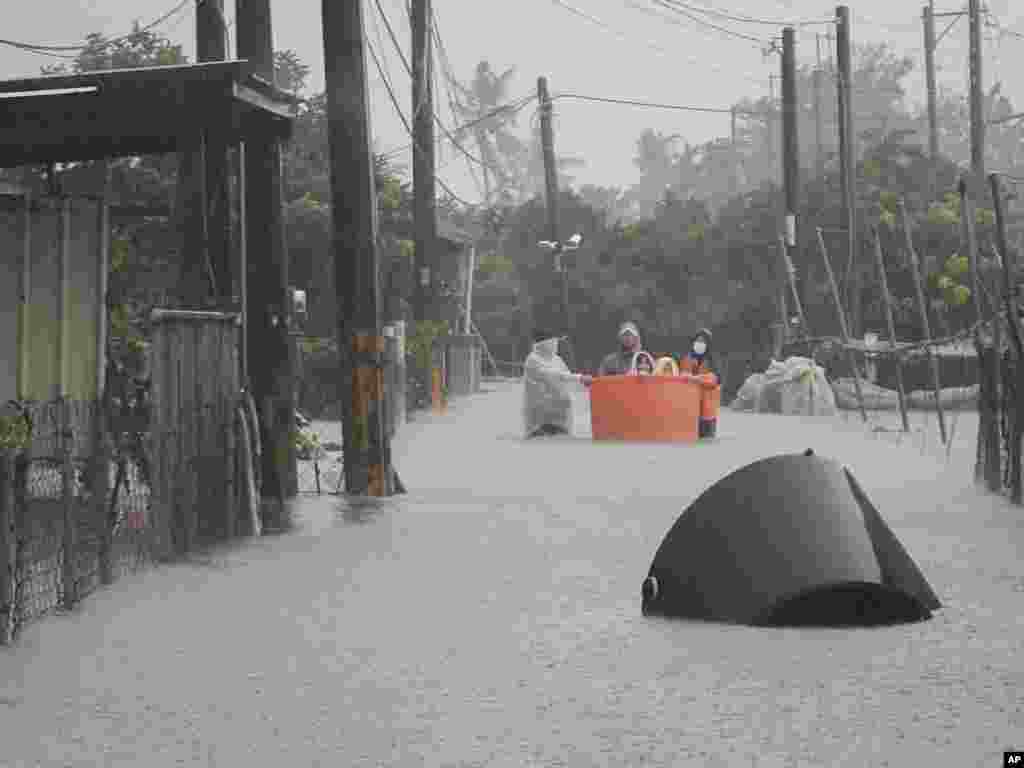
x: 547, y: 401
x: 621, y: 361
x: 698, y: 359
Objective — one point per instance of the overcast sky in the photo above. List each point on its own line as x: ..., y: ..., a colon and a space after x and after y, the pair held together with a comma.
x: 647, y: 54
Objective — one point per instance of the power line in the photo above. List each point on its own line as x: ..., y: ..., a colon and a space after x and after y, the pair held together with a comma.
x: 106, y: 43
x: 636, y: 103
x: 681, y: 9
x: 408, y: 68
x: 652, y: 46
x: 408, y: 128
x: 750, y: 19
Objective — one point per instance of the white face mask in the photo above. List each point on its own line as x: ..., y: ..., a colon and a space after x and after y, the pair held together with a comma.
x: 699, y: 347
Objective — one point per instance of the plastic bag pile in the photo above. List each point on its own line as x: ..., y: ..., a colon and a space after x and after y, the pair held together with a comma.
x: 796, y: 386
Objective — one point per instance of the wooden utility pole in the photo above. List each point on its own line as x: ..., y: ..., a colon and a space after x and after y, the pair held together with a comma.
x: 790, y: 145
x: 423, y: 166
x: 977, y: 101
x: 211, y: 45
x: 268, y: 355
x: 819, y: 127
x: 368, y: 470
x: 928, y: 17
x: 847, y: 171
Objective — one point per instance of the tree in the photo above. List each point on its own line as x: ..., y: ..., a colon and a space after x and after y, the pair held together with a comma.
x: 482, y: 105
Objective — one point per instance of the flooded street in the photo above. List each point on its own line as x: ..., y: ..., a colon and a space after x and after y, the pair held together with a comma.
x: 492, y: 618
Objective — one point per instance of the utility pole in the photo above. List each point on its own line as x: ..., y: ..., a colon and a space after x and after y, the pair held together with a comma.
x: 977, y: 102
x: 928, y: 14
x: 773, y: 149
x: 790, y: 158
x: 368, y: 470
x: 847, y: 171
x: 423, y: 166
x: 819, y: 128
x: 268, y: 355
x: 551, y: 195
x: 211, y: 45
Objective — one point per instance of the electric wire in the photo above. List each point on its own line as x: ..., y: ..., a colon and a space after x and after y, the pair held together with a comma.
x: 408, y: 127
x: 408, y: 69
x: 653, y: 46
x: 35, y: 47
x: 743, y: 19
x: 678, y: 8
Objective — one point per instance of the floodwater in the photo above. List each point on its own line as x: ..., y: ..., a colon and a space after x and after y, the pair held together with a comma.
x: 492, y: 618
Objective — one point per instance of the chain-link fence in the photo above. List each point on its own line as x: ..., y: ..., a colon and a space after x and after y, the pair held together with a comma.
x: 83, y: 509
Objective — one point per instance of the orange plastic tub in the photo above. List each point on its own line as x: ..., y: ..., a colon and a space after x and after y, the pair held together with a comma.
x: 647, y: 408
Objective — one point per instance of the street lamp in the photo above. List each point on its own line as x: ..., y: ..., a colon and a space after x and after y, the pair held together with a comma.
x: 558, y: 248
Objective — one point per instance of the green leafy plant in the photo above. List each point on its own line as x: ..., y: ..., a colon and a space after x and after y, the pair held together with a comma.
x: 307, y: 444
x: 14, y: 432
x: 947, y: 282
x: 495, y: 263
x: 420, y: 344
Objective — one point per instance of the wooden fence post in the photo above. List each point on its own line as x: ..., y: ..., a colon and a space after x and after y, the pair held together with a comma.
x: 8, y: 547
x: 68, y: 488
x: 850, y: 354
x: 101, y: 492
x: 887, y: 300
x: 231, y: 505
x: 922, y: 306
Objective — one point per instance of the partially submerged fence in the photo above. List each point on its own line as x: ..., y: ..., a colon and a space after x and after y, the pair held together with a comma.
x: 101, y: 488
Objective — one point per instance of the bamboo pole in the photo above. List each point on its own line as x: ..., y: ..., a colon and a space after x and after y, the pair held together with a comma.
x: 887, y: 300
x: 851, y: 355
x: 922, y: 306
x: 967, y: 244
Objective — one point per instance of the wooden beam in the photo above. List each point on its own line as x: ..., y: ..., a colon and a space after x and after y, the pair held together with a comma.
x: 261, y: 101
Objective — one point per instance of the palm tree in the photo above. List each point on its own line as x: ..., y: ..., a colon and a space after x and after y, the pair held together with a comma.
x: 480, y: 105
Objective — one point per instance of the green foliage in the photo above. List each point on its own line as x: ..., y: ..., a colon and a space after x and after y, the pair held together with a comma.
x: 420, y: 344
x: 872, y: 168
x: 986, y: 217
x: 632, y: 231
x: 493, y: 263
x: 307, y: 444
x: 407, y: 249
x: 695, y: 231
x: 391, y: 193
x: 14, y: 432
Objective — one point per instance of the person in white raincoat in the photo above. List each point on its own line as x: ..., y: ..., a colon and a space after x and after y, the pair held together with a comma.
x: 547, y: 403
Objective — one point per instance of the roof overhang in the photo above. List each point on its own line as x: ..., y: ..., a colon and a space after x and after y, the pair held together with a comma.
x: 124, y: 112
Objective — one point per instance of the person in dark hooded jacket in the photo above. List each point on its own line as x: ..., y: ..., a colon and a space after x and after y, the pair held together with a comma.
x: 698, y: 359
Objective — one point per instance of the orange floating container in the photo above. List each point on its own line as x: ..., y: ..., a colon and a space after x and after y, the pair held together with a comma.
x: 646, y: 408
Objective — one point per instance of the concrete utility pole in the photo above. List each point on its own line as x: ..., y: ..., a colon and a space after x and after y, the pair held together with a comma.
x: 425, y: 305
x: 551, y: 196
x: 819, y: 127
x: 790, y: 142
x: 212, y: 45
x: 977, y: 96
x: 368, y: 470
x: 928, y: 17
x: 268, y: 354
x: 847, y: 170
